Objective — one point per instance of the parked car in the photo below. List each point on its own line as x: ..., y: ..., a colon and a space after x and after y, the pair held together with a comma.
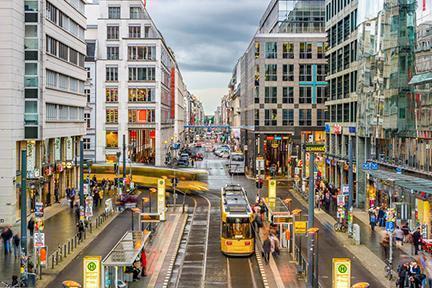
x: 222, y: 150
x: 183, y: 160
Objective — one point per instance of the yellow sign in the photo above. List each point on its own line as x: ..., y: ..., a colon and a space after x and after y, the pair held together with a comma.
x: 300, y: 227
x: 92, y: 271
x: 272, y: 189
x: 315, y: 148
x: 341, y: 273
x: 161, y: 199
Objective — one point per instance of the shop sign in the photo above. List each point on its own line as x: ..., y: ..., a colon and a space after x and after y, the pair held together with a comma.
x: 39, y: 209
x: 31, y: 159
x: 57, y: 149
x: 315, y: 148
x: 272, y: 189
x: 337, y: 129
x: 327, y: 128
x: 370, y: 166
x: 59, y: 167
x: 92, y: 271
x: 39, y: 239
x: 161, y: 199
x: 297, y: 170
x: 48, y: 171
x: 69, y: 149
x: 341, y: 273
x: 352, y: 129
x: 270, y: 138
x: 275, y: 145
x: 278, y: 138
x: 300, y: 227
x: 345, y: 189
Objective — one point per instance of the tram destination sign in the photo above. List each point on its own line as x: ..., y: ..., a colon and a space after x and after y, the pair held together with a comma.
x: 315, y: 148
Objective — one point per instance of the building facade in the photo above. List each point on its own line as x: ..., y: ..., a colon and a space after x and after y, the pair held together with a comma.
x: 138, y: 86
x: 283, y: 87
x: 45, y: 114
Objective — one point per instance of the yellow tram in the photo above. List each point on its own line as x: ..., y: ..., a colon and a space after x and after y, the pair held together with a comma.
x: 237, y: 236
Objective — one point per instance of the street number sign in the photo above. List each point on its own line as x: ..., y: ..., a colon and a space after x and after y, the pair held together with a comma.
x: 341, y: 273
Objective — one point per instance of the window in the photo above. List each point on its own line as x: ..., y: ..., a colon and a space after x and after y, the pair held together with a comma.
x: 288, y: 72
x: 51, y: 45
x: 141, y: 73
x: 87, y: 94
x: 141, y: 95
x: 339, y: 113
x: 88, y: 72
x: 111, y: 73
x: 270, y: 95
x: 112, y: 32
x: 141, y: 116
x: 113, y: 12
x: 51, y: 111
x: 112, y: 53
x: 141, y: 53
x: 346, y: 86
x: 257, y: 94
x: 51, y: 12
x: 305, y: 117
x: 73, y: 56
x: 136, y: 13
x: 271, y: 50
x: 270, y: 117
x: 320, y: 50
x: 321, y: 72
x: 147, y: 31
x: 111, y: 138
x: 305, y: 72
x: 134, y: 31
x: 87, y: 119
x: 257, y: 74
x: 51, y: 79
x: 257, y: 117
x: 63, y: 52
x: 288, y: 50
x: 270, y: 72
x: 288, y: 95
x: 86, y: 143
x: 111, y: 116
x: 111, y: 95
x: 288, y: 117
x: 339, y: 87
x: 63, y: 82
x: 305, y: 95
x: 346, y: 112
x: 257, y: 50
x: 305, y: 50
x: 321, y: 117
x: 321, y: 95
x: 73, y: 85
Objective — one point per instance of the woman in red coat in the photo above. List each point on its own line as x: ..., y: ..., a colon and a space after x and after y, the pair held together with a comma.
x: 143, y: 263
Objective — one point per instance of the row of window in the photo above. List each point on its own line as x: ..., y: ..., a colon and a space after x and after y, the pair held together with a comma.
x: 77, y: 4
x: 305, y: 117
x: 135, y: 53
x: 305, y: 52
x: 62, y: 82
x: 305, y: 72
x: 346, y: 112
x: 342, y: 58
x: 135, y: 73
x: 135, y: 12
x: 335, y: 6
x: 59, y: 18
x: 62, y: 51
x: 135, y: 116
x: 134, y: 95
x: 288, y: 95
x: 56, y: 112
x: 342, y: 86
x: 113, y: 32
x: 342, y: 30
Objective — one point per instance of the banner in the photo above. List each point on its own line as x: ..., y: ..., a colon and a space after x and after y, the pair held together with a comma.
x: 92, y: 271
x: 57, y: 149
x: 31, y: 159
x: 161, y: 199
x: 69, y: 149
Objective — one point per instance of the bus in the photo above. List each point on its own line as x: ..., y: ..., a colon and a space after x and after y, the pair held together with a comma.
x: 237, y: 237
x: 236, y: 163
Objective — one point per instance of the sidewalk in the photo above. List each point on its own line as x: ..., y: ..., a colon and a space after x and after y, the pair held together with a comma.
x: 60, y: 226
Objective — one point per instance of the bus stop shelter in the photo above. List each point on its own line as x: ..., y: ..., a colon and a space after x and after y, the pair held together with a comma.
x: 124, y: 254
x: 279, y: 214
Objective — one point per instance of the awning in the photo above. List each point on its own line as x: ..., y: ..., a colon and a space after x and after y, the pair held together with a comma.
x: 277, y: 207
x: 127, y: 249
x: 404, y: 181
x: 421, y: 78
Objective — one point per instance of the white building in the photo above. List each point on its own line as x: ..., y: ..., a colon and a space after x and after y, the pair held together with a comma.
x: 42, y: 78
x: 139, y: 89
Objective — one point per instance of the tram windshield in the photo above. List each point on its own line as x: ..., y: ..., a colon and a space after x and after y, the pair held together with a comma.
x: 237, y: 228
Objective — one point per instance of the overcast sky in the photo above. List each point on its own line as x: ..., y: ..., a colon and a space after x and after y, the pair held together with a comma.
x: 208, y: 37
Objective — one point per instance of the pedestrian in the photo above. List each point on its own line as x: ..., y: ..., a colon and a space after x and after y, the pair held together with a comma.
x: 96, y: 197
x: 385, y: 245
x: 372, y: 221
x: 56, y: 195
x: 7, y: 235
x: 403, y: 273
x: 77, y: 213
x: 267, y: 249
x: 80, y: 226
x: 399, y: 235
x: 15, y: 282
x: 417, y: 239
x: 406, y: 232
x: 143, y: 263
x: 381, y: 218
x: 30, y: 226
x: 16, y: 245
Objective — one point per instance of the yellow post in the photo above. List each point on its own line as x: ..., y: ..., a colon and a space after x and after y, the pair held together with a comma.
x: 161, y: 199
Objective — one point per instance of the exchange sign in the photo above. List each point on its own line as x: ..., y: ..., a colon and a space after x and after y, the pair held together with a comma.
x: 315, y: 148
x: 341, y: 273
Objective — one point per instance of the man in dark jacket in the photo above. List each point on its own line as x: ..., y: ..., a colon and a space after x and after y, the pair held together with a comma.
x: 267, y: 249
x: 30, y: 226
x: 7, y: 235
x: 417, y: 240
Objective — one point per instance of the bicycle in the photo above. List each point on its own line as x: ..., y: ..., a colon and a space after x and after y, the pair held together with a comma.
x: 340, y: 227
x: 388, y: 271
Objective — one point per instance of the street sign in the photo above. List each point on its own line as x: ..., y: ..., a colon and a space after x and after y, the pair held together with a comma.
x: 370, y: 166
x: 300, y: 227
x: 150, y: 217
x: 161, y: 199
x: 39, y: 209
x: 390, y: 226
x: 341, y: 273
x: 39, y: 239
x: 259, y: 163
x: 272, y: 189
x: 92, y: 268
x: 315, y: 148
x: 345, y: 189
x: 340, y: 200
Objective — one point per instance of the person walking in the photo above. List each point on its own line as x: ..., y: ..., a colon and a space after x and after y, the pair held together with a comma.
x: 385, y: 245
x: 406, y: 232
x: 417, y: 238
x: 16, y: 245
x: 372, y: 221
x: 399, y: 235
x: 403, y: 273
x: 143, y: 263
x: 56, y: 195
x: 30, y: 226
x: 267, y: 249
x: 7, y: 235
x: 80, y: 226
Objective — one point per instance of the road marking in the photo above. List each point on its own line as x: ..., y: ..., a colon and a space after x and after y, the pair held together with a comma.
x: 206, y: 241
x: 229, y: 274
x: 252, y: 274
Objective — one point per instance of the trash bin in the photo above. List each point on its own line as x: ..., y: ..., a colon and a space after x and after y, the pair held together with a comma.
x: 361, y: 285
x: 71, y: 284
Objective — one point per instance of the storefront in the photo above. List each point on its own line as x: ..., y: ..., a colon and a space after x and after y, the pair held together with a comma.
x: 142, y: 145
x: 276, y: 153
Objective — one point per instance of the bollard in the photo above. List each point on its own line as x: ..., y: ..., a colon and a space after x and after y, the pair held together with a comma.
x: 64, y: 251
x: 91, y: 227
x: 85, y: 234
x: 52, y: 262
x: 97, y: 222
x: 75, y: 240
x: 69, y: 247
x: 56, y: 257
